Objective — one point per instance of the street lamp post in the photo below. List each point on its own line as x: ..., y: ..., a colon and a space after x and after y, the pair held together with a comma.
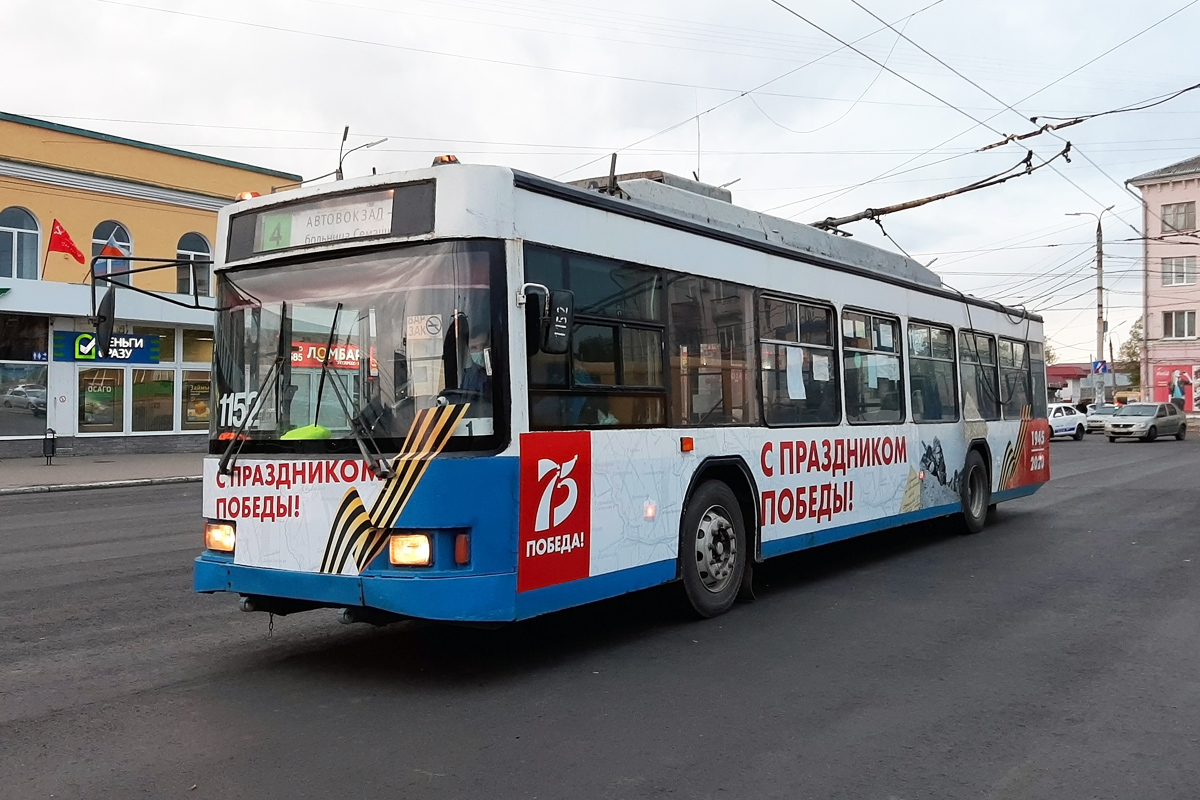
x: 1100, y: 394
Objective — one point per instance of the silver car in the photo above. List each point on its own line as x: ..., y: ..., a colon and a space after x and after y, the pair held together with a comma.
x: 1146, y: 421
x: 1099, y: 415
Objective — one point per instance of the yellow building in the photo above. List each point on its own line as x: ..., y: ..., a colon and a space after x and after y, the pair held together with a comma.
x: 139, y: 200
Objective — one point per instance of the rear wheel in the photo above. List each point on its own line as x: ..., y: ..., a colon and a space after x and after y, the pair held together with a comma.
x: 712, y: 549
x: 976, y: 493
x: 1079, y: 433
x: 1151, y: 434
x: 1182, y: 433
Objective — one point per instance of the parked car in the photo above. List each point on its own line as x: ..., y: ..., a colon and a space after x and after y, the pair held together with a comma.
x: 16, y: 397
x: 1066, y: 420
x: 1146, y: 421
x: 1100, y: 415
x: 37, y: 401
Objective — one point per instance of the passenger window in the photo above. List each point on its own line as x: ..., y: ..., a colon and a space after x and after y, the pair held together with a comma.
x: 613, y: 376
x: 871, y: 364
x: 1014, y: 374
x: 980, y: 383
x: 799, y: 378
x: 710, y: 344
x: 934, y: 393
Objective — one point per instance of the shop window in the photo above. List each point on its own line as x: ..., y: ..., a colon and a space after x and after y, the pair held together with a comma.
x: 1016, y: 394
x: 799, y: 368
x: 166, y: 341
x: 153, y: 400
x: 195, y: 400
x: 934, y: 395
x: 711, y: 348
x: 101, y: 400
x: 112, y: 239
x: 197, y: 346
x: 23, y: 338
x: 980, y: 383
x: 193, y: 248
x: 22, y: 400
x: 18, y: 244
x: 871, y: 364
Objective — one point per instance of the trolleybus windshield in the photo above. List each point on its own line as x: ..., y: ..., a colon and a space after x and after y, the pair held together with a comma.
x: 305, y: 350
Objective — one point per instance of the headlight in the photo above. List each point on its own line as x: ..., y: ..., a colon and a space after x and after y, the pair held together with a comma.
x: 410, y: 550
x: 219, y: 536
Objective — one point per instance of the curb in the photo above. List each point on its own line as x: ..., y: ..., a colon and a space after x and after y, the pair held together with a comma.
x: 71, y: 487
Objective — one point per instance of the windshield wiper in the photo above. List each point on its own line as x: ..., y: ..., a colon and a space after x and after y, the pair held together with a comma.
x: 380, y: 467
x: 229, y: 457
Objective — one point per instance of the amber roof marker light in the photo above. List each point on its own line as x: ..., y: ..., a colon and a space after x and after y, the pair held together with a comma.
x: 442, y: 160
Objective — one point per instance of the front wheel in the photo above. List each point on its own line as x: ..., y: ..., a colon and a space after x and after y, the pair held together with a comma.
x: 976, y: 492
x: 1182, y: 434
x: 1112, y: 438
x: 1151, y: 434
x: 712, y: 549
x: 1079, y: 433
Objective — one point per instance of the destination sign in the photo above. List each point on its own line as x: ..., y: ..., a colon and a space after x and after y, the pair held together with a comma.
x: 400, y: 211
x: 356, y: 216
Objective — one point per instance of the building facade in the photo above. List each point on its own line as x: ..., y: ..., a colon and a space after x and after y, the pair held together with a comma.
x: 123, y: 199
x: 1171, y: 297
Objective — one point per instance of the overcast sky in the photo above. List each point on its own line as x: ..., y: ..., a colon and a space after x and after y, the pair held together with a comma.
x: 552, y: 87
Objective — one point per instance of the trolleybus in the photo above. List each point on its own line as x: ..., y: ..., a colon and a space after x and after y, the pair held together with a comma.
x: 470, y: 393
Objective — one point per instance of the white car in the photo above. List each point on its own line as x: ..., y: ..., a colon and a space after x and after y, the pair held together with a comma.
x: 1066, y: 420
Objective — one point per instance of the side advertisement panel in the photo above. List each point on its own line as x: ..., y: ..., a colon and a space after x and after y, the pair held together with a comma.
x: 556, y: 509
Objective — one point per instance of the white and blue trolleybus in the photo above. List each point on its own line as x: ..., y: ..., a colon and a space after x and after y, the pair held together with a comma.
x: 470, y: 393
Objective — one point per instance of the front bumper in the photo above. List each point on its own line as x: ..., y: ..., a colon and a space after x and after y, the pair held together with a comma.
x: 471, y: 598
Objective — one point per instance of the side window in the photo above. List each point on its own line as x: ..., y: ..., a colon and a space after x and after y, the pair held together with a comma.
x: 934, y: 394
x: 613, y: 376
x: 711, y: 349
x: 1058, y: 412
x: 193, y: 247
x: 799, y: 374
x: 1014, y: 378
x: 18, y: 244
x: 1037, y: 371
x: 111, y: 240
x: 980, y: 383
x: 871, y: 363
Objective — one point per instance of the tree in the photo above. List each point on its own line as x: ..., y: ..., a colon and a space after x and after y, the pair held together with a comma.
x: 1129, y: 356
x: 1051, y: 356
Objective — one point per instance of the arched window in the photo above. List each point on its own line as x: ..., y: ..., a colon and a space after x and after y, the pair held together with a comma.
x: 18, y: 244
x: 193, y: 247
x: 112, y: 239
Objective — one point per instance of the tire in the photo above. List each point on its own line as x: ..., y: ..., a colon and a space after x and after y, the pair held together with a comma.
x: 712, y: 549
x: 1181, y: 434
x: 1112, y: 438
x: 976, y: 493
x: 1079, y: 433
x: 1151, y: 434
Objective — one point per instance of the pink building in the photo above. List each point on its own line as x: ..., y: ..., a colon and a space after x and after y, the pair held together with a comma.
x: 1171, y: 355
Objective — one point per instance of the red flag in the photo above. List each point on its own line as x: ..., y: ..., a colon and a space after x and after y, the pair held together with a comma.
x: 60, y: 242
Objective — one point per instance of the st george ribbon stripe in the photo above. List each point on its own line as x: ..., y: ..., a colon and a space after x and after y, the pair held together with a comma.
x: 363, y: 535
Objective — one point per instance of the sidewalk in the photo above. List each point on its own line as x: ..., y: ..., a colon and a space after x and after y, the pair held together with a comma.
x: 20, y: 475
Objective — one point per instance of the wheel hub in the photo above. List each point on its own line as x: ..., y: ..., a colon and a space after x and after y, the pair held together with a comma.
x: 716, y: 549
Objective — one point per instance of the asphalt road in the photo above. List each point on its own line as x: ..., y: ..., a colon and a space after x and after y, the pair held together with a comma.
x: 1056, y: 655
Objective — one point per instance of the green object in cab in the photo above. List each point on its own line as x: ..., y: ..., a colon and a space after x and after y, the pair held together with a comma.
x: 308, y: 432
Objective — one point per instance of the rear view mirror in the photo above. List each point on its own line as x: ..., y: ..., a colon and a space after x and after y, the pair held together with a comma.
x: 558, y: 324
x: 105, y: 317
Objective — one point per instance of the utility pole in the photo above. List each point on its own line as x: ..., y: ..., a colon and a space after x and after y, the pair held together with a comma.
x: 1098, y: 376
